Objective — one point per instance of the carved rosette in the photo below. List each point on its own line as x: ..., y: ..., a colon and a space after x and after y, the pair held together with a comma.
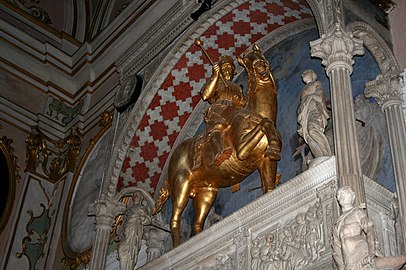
x: 336, y: 49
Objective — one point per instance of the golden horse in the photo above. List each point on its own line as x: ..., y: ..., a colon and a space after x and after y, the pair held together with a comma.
x: 247, y: 137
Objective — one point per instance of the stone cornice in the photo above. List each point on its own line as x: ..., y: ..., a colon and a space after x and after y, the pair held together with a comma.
x: 169, y: 27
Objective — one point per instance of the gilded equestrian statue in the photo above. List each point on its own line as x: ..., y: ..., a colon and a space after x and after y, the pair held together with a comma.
x: 255, y: 144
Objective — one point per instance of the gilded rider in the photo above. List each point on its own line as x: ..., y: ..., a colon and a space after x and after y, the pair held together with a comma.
x: 225, y: 98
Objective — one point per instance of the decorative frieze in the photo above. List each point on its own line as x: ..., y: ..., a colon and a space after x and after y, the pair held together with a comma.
x: 33, y: 9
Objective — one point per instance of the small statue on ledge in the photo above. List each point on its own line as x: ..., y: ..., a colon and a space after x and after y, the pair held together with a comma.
x: 313, y: 116
x: 132, y: 231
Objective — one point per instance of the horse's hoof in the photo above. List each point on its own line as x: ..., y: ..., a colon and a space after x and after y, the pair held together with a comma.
x: 273, y: 154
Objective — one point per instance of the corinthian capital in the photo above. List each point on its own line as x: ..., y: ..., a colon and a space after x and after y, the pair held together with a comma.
x: 105, y: 211
x: 337, y: 48
x: 385, y: 89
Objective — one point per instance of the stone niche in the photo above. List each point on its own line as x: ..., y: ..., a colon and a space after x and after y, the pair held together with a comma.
x: 289, y: 228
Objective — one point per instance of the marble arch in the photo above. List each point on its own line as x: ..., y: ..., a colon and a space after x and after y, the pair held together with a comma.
x: 378, y: 47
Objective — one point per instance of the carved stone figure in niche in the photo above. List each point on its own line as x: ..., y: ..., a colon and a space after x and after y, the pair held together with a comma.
x: 371, y: 132
x: 225, y: 98
x: 313, y: 116
x: 132, y: 231
x: 255, y: 250
x: 251, y: 135
x: 354, y: 244
x: 397, y: 246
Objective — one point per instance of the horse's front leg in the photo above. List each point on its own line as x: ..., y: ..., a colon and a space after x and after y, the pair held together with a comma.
x: 202, y: 203
x: 268, y: 172
x: 179, y: 197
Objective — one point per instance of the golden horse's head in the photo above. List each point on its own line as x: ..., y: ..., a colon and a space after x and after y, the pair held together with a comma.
x: 257, y: 67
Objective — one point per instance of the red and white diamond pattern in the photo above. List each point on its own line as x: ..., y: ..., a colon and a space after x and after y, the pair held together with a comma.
x: 179, y: 94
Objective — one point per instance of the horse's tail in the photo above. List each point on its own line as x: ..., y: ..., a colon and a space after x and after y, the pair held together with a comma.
x: 164, y: 194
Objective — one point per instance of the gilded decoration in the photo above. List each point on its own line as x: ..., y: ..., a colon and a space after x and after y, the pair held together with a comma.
x: 240, y: 138
x: 55, y: 161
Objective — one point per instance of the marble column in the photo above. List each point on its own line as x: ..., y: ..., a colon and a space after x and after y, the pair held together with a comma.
x: 105, y: 211
x: 387, y: 90
x: 155, y: 242
x: 336, y: 49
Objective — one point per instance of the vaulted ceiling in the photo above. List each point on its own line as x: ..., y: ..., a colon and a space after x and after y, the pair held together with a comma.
x: 79, y: 20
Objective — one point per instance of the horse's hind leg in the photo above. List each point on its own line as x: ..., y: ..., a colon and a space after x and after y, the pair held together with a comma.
x: 179, y: 198
x: 202, y: 203
x: 268, y: 171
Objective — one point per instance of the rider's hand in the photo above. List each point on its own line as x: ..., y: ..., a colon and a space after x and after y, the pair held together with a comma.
x: 216, y: 70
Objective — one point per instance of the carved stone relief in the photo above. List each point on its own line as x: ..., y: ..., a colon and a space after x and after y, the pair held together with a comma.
x: 298, y: 243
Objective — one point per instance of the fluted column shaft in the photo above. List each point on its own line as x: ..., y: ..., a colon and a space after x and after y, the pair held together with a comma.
x: 155, y: 243
x: 387, y: 92
x: 345, y: 138
x: 99, y: 251
x: 336, y: 50
x: 105, y: 211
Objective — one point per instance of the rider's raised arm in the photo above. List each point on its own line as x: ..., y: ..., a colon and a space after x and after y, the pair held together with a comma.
x: 210, y: 87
